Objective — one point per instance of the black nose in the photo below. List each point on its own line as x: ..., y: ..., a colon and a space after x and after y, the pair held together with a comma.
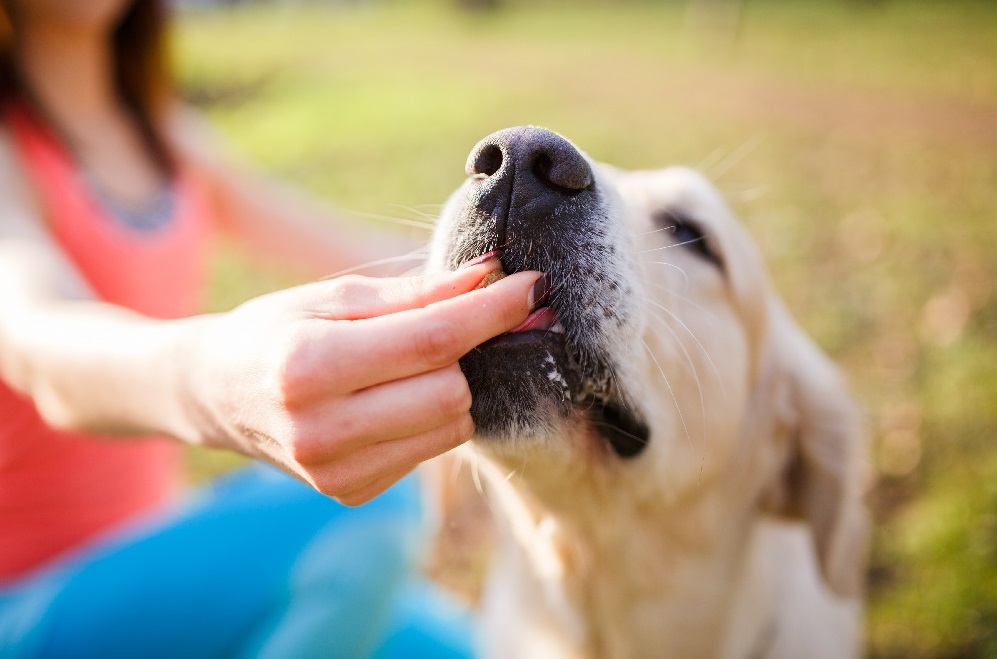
x: 526, y: 185
x: 532, y: 156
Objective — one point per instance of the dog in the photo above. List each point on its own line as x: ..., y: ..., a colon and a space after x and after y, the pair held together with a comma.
x: 676, y: 467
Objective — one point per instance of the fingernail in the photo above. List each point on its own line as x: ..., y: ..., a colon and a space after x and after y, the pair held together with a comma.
x: 484, y: 258
x: 540, y: 293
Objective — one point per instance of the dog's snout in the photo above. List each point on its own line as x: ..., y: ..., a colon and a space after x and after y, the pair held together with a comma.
x: 524, y: 181
x: 527, y: 156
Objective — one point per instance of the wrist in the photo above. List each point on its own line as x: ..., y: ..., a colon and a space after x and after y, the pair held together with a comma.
x: 184, y: 413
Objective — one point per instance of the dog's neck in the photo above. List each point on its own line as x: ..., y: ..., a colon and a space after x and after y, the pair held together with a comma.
x: 600, y: 576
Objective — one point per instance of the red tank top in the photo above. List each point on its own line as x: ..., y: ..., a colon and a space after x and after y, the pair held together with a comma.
x: 59, y: 489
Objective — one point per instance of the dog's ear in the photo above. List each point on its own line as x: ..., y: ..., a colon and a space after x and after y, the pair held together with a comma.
x: 822, y: 476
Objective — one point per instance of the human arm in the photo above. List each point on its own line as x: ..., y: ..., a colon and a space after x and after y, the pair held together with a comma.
x: 346, y: 384
x: 278, y: 223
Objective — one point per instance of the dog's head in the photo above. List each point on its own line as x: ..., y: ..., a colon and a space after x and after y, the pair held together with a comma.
x: 663, y: 365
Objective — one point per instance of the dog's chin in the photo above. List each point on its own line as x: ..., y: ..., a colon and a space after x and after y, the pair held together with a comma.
x: 521, y: 386
x: 526, y: 389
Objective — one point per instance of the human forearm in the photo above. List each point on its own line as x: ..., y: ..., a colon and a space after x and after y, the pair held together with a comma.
x: 86, y: 364
x: 347, y: 384
x: 97, y: 367
x: 298, y: 233
x: 282, y: 224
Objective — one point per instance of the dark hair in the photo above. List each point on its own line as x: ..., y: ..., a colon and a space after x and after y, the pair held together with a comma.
x: 140, y: 69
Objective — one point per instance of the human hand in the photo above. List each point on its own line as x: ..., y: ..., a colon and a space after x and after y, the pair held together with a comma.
x: 349, y: 383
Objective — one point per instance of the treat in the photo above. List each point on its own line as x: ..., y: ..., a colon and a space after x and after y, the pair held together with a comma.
x: 491, y: 278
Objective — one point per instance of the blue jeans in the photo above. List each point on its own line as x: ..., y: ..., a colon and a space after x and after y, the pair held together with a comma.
x: 259, y: 565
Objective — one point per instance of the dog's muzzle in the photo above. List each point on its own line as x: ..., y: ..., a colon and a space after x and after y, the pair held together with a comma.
x: 534, y: 197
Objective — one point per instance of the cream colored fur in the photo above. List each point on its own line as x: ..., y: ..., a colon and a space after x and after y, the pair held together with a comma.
x: 739, y: 533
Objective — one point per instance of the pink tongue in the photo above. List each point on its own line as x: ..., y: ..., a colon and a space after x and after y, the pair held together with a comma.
x: 541, y: 319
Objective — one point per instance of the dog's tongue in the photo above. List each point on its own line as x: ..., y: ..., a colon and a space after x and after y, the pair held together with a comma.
x: 542, y: 319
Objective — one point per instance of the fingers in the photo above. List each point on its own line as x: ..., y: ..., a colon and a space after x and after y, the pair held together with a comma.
x: 367, y: 472
x: 353, y: 297
x: 419, y: 340
x: 375, y: 488
x: 377, y: 362
x: 401, y: 408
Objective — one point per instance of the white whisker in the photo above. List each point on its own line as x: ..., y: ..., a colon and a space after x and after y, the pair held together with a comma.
x: 685, y: 298
x: 425, y: 226
x: 625, y: 395
x: 414, y: 272
x: 692, y: 365
x: 517, y: 472
x: 671, y: 391
x: 748, y: 194
x: 653, y: 231
x: 476, y: 477
x: 685, y: 275
x: 411, y: 256
x: 456, y: 466
x: 735, y: 157
x: 431, y: 217
x: 709, y: 161
x: 658, y: 249
x: 692, y: 334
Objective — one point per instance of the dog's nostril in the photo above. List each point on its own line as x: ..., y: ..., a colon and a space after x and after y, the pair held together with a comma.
x: 487, y: 161
x: 566, y: 172
x: 522, y: 157
x: 541, y: 168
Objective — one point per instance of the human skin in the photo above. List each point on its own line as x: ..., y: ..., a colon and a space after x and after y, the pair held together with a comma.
x: 347, y: 383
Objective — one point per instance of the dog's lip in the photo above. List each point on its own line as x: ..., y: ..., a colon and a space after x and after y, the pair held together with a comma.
x: 540, y: 325
x: 543, y: 318
x: 524, y: 337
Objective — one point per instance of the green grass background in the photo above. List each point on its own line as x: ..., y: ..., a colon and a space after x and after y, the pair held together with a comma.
x: 856, y: 139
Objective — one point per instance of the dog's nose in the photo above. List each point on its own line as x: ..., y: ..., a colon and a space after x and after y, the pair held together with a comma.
x: 536, y: 159
x: 526, y: 183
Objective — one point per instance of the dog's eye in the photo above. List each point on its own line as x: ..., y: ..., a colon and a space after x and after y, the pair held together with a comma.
x: 687, y: 234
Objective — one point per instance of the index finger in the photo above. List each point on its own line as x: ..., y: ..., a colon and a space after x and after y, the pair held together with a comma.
x: 353, y: 297
x: 410, y: 342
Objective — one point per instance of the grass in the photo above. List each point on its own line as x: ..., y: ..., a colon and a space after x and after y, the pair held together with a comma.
x: 857, y: 140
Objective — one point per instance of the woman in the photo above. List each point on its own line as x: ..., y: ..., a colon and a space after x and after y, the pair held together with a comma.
x: 108, y: 200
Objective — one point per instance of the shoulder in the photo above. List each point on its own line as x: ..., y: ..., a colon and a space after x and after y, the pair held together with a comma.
x: 30, y: 259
